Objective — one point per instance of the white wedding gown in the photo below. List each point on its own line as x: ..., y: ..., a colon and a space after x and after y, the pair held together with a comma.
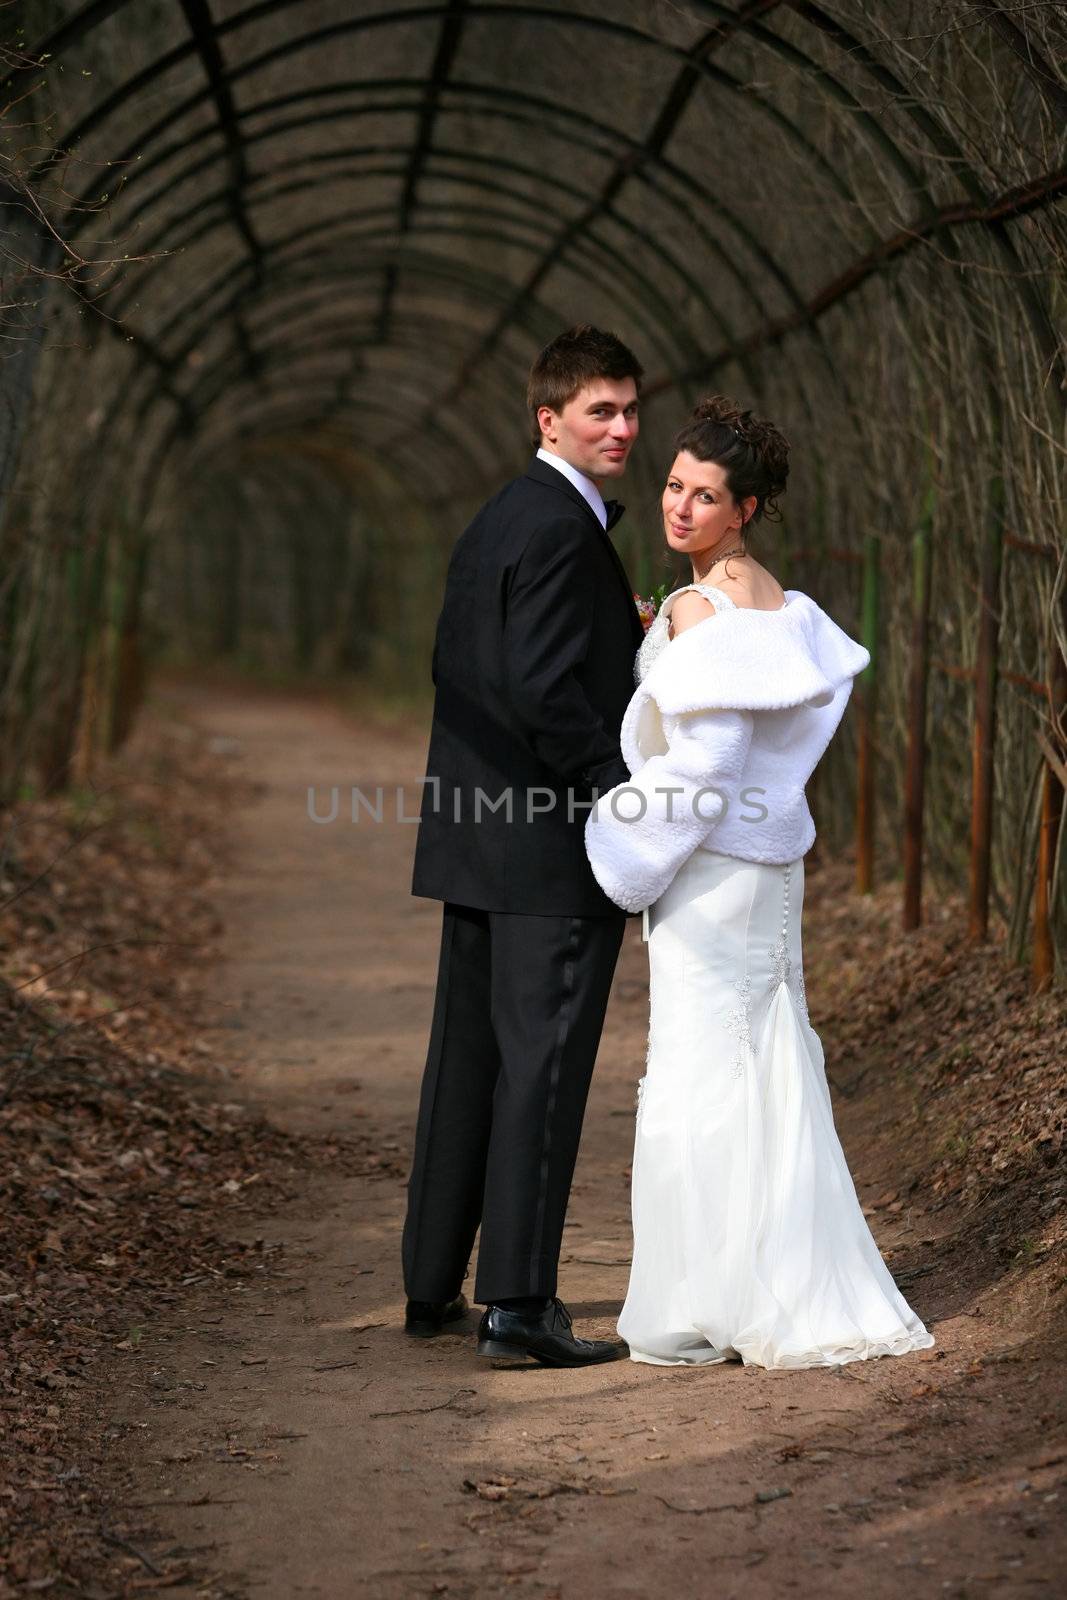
x: 749, y: 1240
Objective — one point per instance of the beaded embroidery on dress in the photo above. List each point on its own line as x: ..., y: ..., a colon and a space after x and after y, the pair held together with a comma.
x: 657, y: 638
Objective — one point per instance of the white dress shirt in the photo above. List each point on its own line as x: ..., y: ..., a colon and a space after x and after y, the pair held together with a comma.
x: 585, y: 486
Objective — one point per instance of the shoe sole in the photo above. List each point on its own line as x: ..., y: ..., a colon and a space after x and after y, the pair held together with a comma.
x: 500, y: 1354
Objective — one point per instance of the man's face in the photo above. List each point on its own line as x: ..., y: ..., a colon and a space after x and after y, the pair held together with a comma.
x: 596, y: 430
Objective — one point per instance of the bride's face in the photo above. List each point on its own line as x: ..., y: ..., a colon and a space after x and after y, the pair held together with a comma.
x: 699, y: 512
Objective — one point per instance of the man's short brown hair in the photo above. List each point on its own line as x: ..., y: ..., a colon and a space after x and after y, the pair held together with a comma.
x: 579, y: 356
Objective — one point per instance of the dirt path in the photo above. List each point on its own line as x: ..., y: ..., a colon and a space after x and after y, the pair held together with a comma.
x: 287, y: 1434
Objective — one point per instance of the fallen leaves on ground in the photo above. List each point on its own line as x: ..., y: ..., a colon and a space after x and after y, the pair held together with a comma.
x: 123, y: 1160
x: 944, y: 1041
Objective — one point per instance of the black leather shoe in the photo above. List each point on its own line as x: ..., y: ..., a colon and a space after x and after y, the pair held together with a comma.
x: 424, y: 1319
x: 514, y: 1338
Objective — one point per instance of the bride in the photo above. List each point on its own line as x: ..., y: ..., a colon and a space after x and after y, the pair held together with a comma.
x: 749, y: 1241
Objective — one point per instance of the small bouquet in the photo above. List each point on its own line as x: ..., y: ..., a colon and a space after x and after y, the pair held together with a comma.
x: 647, y: 609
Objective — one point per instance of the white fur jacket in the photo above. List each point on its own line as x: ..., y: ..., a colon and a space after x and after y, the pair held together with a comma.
x: 726, y: 727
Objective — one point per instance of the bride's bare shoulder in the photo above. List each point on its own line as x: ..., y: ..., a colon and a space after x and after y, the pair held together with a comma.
x: 687, y: 610
x: 753, y: 586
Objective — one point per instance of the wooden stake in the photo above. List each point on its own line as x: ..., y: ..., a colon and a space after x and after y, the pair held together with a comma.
x: 867, y: 705
x: 985, y: 707
x: 918, y: 677
x: 1043, y: 969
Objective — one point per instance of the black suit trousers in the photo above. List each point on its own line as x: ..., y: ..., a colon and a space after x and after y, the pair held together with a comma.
x: 518, y: 1012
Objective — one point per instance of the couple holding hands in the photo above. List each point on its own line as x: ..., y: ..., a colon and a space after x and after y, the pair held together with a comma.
x: 582, y: 768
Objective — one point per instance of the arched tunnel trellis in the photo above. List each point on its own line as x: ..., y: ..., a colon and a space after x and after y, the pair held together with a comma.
x: 271, y: 235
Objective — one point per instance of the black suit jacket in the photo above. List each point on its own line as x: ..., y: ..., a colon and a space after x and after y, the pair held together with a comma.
x: 533, y: 666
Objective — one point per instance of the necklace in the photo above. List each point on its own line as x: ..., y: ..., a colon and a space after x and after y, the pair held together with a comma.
x: 740, y: 551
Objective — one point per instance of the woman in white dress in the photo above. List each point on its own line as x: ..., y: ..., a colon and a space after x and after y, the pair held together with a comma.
x: 749, y: 1241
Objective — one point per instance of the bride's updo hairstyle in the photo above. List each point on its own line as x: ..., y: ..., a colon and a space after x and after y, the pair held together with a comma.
x: 753, y: 454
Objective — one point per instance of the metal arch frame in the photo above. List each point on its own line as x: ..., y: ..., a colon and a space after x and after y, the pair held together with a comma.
x: 768, y: 262
x: 309, y: 368
x: 749, y: 240
x: 735, y: 22
x: 542, y: 325
x: 505, y: 401
x: 448, y: 40
x: 479, y: 10
x: 312, y: 353
x: 509, y: 231
x: 447, y: 451
x: 299, y: 421
x: 202, y: 27
x: 285, y: 284
x: 562, y: 18
x: 634, y: 309
x: 278, y: 356
x: 693, y: 61
x: 791, y: 292
x: 193, y: 397
x: 297, y: 291
x: 322, y: 403
x: 185, y: 422
x: 407, y: 421
x: 411, y: 340
x: 557, y: 17
x: 690, y: 283
x: 177, y: 430
x: 262, y: 425
x: 531, y: 116
x: 306, y: 370
x: 436, y: 268
x: 160, y: 241
x: 793, y: 134
x: 441, y: 271
x: 299, y: 316
x: 405, y: 345
x: 455, y: 277
x: 320, y: 380
x: 725, y: 259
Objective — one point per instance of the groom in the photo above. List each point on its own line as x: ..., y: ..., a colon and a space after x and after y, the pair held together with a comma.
x: 533, y: 666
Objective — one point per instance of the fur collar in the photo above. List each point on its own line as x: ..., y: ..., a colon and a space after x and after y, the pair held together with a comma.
x: 747, y: 660
x: 742, y: 660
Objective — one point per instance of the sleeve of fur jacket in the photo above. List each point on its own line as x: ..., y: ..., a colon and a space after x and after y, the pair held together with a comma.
x: 639, y: 833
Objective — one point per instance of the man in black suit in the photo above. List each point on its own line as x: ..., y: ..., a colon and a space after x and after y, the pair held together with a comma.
x: 533, y: 667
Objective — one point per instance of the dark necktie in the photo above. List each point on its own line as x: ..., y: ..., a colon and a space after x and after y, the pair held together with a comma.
x: 614, y: 510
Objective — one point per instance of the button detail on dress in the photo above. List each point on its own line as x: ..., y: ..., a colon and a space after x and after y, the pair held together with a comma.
x: 784, y: 971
